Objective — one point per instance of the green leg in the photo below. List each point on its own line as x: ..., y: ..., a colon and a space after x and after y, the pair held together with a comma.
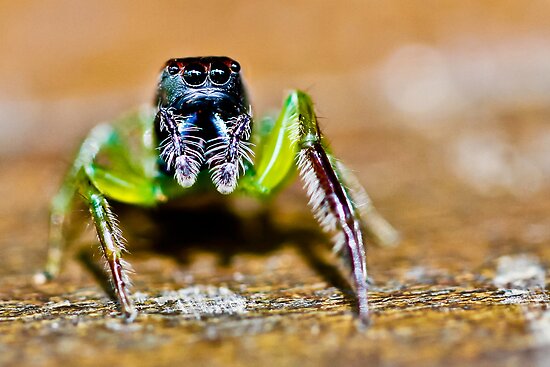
x: 94, y: 183
x: 296, y: 141
x: 112, y: 245
x: 62, y: 201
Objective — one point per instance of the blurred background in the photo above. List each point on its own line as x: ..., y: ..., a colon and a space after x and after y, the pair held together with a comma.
x: 470, y: 77
x: 441, y: 107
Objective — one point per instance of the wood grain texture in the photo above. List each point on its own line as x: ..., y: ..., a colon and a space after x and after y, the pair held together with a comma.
x: 261, y: 287
x: 439, y: 107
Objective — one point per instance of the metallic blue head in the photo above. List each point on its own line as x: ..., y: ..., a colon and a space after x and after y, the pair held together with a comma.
x: 198, y: 81
x: 203, y: 120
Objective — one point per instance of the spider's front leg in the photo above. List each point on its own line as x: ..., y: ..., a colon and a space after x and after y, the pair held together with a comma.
x: 296, y: 141
x: 332, y: 207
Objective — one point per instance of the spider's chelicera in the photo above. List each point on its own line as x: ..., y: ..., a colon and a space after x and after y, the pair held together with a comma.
x: 202, y: 122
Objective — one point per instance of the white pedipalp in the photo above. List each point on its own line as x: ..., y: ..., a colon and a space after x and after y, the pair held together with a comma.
x: 186, y: 150
x: 228, y: 154
x: 183, y: 150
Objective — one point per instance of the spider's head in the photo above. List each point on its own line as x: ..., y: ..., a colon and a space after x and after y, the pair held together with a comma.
x: 201, y: 81
x: 203, y: 121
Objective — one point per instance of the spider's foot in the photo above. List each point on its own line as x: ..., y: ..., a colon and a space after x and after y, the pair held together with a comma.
x: 42, y: 277
x: 363, y: 322
x: 129, y: 315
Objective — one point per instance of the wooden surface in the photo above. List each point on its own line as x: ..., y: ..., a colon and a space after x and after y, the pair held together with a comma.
x: 229, y: 286
x: 440, y: 107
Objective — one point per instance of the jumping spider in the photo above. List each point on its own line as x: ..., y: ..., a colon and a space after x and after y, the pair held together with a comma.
x: 202, y: 126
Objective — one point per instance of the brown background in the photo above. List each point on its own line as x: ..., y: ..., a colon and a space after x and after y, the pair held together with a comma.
x: 441, y: 107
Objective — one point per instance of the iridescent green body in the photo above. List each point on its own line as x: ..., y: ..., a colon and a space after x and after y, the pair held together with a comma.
x: 202, y: 124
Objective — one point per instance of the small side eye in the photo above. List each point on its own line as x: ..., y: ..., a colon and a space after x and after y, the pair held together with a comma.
x: 173, y: 68
x: 194, y: 74
x: 219, y: 73
x: 235, y: 67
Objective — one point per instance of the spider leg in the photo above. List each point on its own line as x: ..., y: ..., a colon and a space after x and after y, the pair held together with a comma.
x: 62, y: 202
x: 376, y: 226
x: 295, y: 141
x: 333, y: 209
x: 93, y: 182
x: 112, y: 244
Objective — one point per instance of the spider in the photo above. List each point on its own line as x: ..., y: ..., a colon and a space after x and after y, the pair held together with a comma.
x: 201, y: 134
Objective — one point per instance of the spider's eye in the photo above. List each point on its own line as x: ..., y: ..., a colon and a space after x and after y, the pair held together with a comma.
x: 235, y: 67
x: 194, y: 74
x: 219, y: 73
x: 173, y: 68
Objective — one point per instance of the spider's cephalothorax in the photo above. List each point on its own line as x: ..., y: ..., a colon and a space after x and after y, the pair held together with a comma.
x: 203, y: 121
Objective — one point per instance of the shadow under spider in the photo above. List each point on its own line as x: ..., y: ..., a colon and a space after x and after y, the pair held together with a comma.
x: 178, y: 231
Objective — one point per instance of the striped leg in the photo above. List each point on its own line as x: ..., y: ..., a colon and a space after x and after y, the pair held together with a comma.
x: 112, y: 244
x: 94, y: 183
x: 336, y: 214
x: 294, y: 140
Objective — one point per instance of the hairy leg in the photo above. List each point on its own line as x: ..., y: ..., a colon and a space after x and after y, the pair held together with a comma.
x: 112, y: 244
x: 295, y: 140
x: 62, y: 202
x: 121, y: 179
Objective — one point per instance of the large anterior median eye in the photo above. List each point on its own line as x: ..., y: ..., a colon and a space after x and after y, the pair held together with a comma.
x: 194, y: 74
x: 219, y: 73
